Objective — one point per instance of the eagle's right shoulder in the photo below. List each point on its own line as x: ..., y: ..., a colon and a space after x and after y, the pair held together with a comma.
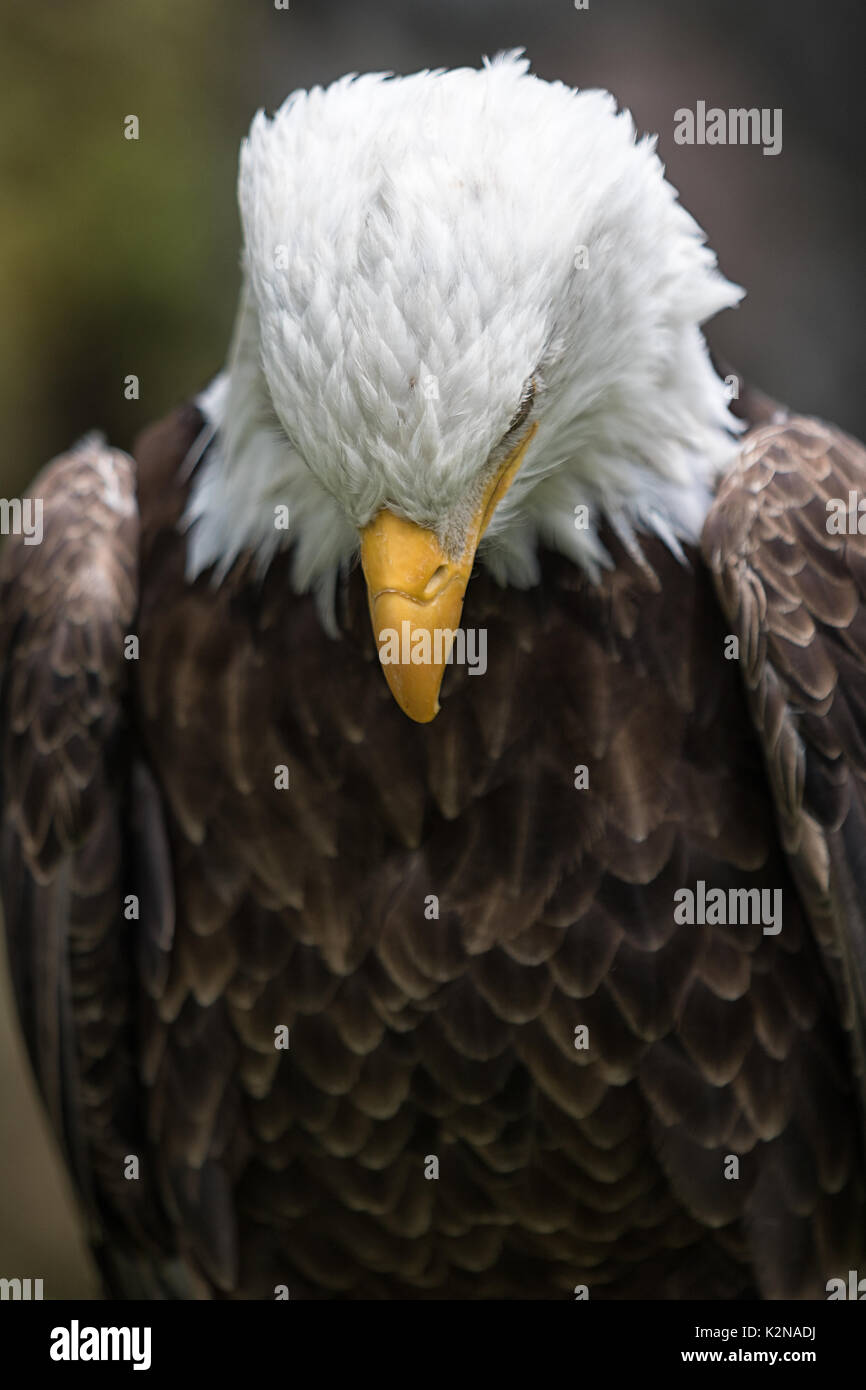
x: 68, y: 597
x: 82, y: 833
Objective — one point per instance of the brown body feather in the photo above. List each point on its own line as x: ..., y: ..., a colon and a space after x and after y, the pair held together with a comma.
x: 452, y: 1037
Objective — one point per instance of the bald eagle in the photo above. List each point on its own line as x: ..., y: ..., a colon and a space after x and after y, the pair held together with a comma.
x: 333, y: 993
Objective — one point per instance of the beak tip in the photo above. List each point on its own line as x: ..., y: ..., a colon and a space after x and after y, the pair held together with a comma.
x: 417, y: 705
x: 423, y: 716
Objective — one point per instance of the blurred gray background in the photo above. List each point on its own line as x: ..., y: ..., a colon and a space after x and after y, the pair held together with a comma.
x: 120, y: 257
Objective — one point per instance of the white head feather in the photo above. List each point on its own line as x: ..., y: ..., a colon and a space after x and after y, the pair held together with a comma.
x: 418, y: 249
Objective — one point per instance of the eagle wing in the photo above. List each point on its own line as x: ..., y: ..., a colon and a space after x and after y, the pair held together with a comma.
x: 67, y: 610
x: 793, y: 593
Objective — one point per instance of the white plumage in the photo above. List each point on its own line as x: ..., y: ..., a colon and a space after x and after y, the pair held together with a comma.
x: 417, y: 250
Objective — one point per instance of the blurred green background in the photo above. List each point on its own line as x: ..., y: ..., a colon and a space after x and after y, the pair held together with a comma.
x: 120, y: 257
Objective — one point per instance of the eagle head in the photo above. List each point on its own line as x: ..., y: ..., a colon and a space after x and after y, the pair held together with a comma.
x: 469, y: 327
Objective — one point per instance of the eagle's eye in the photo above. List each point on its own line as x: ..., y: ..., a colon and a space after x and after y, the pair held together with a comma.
x: 524, y: 407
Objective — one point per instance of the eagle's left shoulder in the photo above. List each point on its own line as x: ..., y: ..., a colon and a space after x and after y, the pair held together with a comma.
x: 792, y: 587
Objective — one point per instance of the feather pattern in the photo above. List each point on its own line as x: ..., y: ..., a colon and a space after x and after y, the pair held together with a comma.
x: 415, y: 1036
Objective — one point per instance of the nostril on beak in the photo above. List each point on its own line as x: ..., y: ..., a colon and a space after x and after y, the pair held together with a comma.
x: 436, y: 581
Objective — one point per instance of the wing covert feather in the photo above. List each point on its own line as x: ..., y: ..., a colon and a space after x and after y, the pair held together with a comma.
x: 793, y: 592
x: 67, y: 605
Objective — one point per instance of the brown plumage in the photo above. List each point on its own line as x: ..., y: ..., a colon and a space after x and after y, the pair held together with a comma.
x: 452, y: 1037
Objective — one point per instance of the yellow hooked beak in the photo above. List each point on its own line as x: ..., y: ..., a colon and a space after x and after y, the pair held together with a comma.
x: 416, y: 593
